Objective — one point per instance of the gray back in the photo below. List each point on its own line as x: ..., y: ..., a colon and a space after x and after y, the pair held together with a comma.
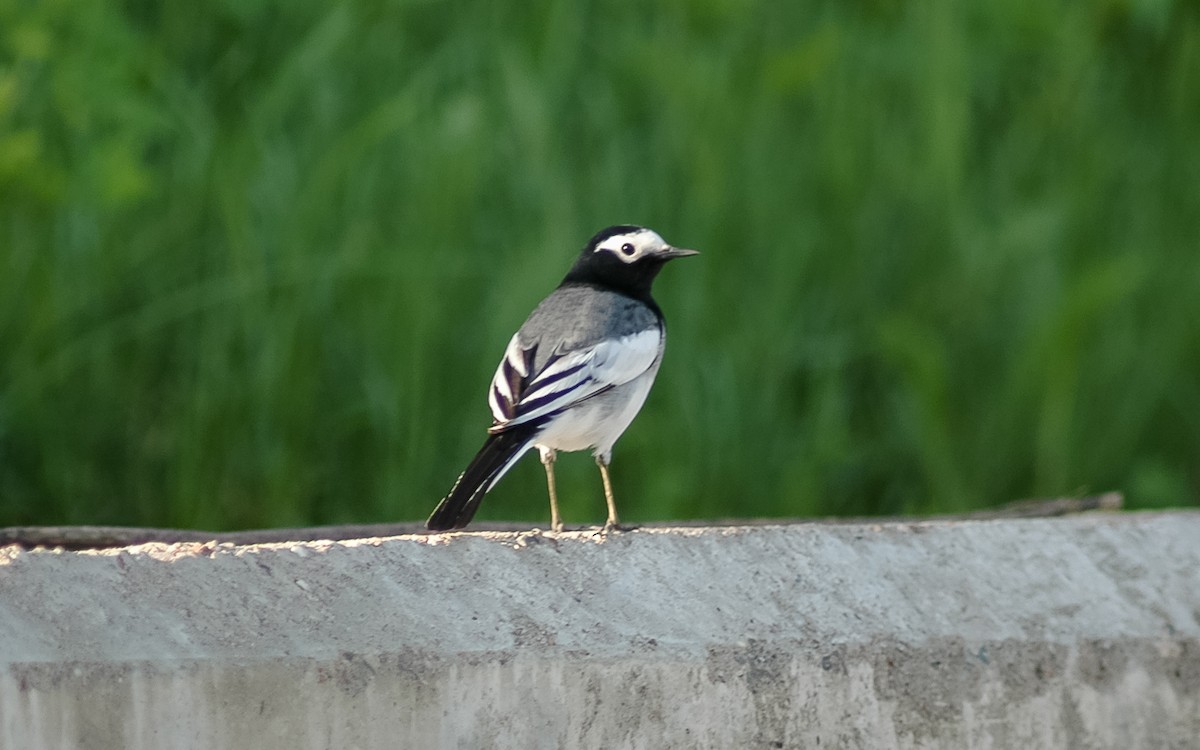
x: 576, y: 317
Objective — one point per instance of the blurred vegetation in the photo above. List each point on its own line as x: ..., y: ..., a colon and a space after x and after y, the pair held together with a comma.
x: 258, y: 260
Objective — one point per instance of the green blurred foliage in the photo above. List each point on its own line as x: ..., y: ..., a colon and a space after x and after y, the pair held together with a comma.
x: 258, y: 260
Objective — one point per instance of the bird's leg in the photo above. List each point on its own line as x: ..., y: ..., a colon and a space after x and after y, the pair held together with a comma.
x: 612, y: 521
x: 548, y: 457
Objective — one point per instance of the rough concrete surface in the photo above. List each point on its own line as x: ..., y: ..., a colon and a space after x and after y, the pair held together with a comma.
x: 1078, y: 632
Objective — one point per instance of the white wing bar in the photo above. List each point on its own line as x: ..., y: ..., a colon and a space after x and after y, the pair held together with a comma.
x: 518, y: 396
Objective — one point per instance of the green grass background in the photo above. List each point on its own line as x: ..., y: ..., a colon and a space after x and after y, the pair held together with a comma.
x: 258, y: 260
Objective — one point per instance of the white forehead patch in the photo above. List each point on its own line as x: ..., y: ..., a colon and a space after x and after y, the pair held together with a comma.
x: 632, y: 245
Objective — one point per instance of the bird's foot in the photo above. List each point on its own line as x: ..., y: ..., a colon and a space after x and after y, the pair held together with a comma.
x: 612, y: 526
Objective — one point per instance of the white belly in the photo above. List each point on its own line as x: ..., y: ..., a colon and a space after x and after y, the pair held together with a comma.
x: 598, y: 422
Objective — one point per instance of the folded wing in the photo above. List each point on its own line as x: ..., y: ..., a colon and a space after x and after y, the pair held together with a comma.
x: 521, y: 394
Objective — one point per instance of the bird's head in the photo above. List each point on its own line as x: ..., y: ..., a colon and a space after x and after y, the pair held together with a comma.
x: 624, y: 257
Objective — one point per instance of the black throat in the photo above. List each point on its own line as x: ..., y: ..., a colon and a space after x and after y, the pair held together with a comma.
x: 606, y: 271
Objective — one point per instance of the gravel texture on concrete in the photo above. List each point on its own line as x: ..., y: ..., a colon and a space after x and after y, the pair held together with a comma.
x: 1072, y: 632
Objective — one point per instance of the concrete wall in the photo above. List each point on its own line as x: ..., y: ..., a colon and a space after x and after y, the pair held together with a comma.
x: 1076, y: 632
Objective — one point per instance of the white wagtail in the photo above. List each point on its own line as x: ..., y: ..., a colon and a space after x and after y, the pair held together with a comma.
x: 576, y: 373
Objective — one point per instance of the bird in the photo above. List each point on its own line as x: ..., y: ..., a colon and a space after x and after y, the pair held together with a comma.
x: 576, y: 373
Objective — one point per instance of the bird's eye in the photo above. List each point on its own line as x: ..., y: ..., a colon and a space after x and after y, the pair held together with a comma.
x: 627, y: 248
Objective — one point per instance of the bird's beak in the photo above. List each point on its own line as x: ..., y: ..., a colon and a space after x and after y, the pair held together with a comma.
x: 669, y: 252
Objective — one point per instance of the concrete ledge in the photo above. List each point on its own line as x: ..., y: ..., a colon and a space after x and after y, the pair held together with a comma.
x: 1076, y: 632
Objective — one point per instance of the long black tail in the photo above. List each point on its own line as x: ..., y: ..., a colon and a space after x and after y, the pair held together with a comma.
x: 496, y: 456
